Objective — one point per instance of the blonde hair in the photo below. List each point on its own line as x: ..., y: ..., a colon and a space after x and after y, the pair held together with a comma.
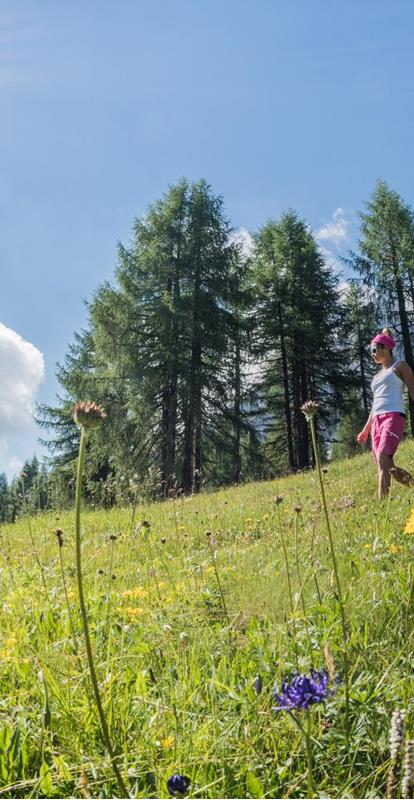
x: 387, y: 332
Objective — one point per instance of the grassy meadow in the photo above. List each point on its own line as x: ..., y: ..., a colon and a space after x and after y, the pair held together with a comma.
x: 189, y: 605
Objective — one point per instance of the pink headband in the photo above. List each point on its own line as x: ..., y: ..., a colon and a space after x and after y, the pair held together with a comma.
x: 382, y: 338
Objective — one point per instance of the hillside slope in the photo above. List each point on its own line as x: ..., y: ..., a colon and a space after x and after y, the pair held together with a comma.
x: 189, y: 603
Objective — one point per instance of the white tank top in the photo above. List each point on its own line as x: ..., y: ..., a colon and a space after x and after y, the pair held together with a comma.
x: 388, y: 390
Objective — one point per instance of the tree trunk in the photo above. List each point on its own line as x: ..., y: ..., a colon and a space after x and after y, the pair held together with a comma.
x: 285, y: 377
x: 237, y: 408
x: 362, y: 368
x: 405, y: 331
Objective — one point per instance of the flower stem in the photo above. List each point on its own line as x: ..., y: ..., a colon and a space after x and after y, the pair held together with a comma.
x: 335, y: 568
x: 292, y: 608
x: 84, y: 616
x: 311, y: 792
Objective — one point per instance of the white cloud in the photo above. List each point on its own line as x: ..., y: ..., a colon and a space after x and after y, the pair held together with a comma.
x: 242, y: 237
x: 336, y: 229
x: 22, y: 370
x: 331, y: 259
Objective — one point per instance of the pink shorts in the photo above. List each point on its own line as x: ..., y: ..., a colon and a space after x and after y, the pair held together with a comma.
x: 386, y: 433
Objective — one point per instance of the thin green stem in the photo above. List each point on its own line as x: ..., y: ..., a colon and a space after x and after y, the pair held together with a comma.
x: 311, y: 791
x: 35, y: 553
x: 336, y: 572
x: 292, y: 608
x: 85, y: 623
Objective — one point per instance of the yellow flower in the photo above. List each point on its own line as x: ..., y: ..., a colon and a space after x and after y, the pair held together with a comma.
x: 168, y: 742
x: 409, y: 525
x: 394, y: 549
x: 134, y: 611
x: 139, y: 591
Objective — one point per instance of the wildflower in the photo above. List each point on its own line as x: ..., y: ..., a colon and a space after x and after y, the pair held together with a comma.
x: 278, y: 499
x: 112, y: 537
x: 89, y: 415
x: 409, y: 525
x: 396, y: 741
x: 167, y: 742
x: 408, y: 770
x: 139, y: 591
x: 178, y: 785
x: 309, y: 409
x: 303, y: 691
x: 298, y: 509
x: 59, y: 535
x: 396, y: 733
x: 145, y: 524
x: 394, y: 549
x: 258, y: 685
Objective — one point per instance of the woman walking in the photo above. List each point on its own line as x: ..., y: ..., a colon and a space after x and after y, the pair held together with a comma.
x: 387, y: 418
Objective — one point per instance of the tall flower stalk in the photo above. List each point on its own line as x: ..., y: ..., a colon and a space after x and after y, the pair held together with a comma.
x: 89, y: 416
x: 278, y: 501
x: 309, y: 409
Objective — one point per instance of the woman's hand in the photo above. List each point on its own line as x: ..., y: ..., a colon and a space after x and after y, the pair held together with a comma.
x: 363, y: 436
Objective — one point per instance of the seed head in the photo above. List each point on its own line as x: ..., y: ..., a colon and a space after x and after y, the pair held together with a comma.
x: 396, y: 733
x: 309, y: 409
x: 408, y: 769
x: 298, y: 509
x: 278, y: 499
x: 59, y: 535
x: 89, y: 415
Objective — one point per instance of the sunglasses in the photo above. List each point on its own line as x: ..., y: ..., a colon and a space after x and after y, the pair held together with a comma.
x: 377, y: 347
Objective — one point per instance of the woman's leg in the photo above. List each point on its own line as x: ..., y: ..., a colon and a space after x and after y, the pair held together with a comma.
x: 384, y: 474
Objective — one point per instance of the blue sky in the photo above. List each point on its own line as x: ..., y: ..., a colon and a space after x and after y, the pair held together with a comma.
x: 277, y: 103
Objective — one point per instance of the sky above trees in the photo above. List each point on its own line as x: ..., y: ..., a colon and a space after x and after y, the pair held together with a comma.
x: 278, y: 105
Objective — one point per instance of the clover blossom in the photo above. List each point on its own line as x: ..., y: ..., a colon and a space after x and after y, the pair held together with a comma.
x: 303, y: 691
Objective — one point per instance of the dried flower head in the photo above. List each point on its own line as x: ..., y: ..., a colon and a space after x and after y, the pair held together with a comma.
x: 309, y: 409
x: 298, y: 509
x: 408, y: 770
x: 59, y: 535
x: 278, y: 499
x: 145, y: 524
x: 89, y: 415
x: 396, y: 742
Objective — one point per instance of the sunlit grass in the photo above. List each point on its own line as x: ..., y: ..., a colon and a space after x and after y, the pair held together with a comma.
x: 177, y: 668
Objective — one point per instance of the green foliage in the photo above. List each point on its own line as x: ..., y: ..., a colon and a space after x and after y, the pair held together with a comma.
x: 177, y: 680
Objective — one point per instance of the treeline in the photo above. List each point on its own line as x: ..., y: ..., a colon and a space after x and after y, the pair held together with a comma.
x: 202, y: 354
x: 29, y: 490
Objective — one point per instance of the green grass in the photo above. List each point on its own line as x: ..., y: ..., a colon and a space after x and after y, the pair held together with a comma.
x: 177, y: 679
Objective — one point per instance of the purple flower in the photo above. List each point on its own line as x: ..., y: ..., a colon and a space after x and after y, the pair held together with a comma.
x: 303, y: 691
x: 178, y: 785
